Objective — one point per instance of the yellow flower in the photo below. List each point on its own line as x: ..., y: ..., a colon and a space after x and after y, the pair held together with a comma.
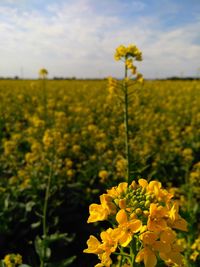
x: 157, y: 218
x: 103, y: 174
x: 97, y: 213
x: 101, y: 212
x: 127, y: 228
x: 109, y: 240
x: 144, y: 211
x: 139, y: 78
x: 194, y: 255
x: 12, y: 260
x: 104, y: 249
x: 93, y: 245
x: 173, y: 256
x: 43, y: 73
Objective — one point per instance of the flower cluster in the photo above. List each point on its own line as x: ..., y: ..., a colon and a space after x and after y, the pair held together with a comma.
x: 195, y: 249
x: 43, y: 73
x: 128, y: 55
x: 194, y: 179
x: 126, y: 52
x: 142, y: 214
x: 12, y: 260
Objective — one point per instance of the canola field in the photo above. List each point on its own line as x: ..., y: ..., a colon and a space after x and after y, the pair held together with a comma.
x: 73, y: 132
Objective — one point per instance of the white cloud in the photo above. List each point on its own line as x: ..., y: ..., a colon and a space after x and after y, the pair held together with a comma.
x: 75, y: 39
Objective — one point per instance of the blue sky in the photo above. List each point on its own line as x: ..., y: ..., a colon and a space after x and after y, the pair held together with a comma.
x: 78, y: 37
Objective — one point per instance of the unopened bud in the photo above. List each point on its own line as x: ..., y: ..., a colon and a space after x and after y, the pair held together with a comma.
x: 147, y: 204
x: 146, y: 213
x: 138, y: 211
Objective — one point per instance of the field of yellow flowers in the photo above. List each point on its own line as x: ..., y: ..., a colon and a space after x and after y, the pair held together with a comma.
x: 68, y: 136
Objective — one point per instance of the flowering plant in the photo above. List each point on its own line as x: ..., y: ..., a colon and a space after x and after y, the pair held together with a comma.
x: 143, y: 221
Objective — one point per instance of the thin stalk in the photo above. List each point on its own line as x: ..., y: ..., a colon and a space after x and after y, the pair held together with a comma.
x: 44, y: 98
x: 44, y: 217
x: 127, y: 146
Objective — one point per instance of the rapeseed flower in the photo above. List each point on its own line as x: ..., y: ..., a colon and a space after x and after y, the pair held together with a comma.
x: 12, y: 260
x: 142, y: 213
x: 195, y: 249
x: 43, y: 73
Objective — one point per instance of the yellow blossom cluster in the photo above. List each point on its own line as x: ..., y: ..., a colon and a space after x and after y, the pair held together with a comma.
x: 195, y: 249
x: 84, y: 126
x: 194, y: 178
x: 129, y: 51
x: 12, y: 260
x: 43, y: 73
x: 128, y: 55
x: 142, y: 213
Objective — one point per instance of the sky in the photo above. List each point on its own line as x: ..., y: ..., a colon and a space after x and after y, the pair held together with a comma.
x: 79, y: 37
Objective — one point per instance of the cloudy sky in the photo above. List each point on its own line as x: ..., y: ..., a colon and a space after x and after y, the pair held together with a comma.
x: 78, y: 37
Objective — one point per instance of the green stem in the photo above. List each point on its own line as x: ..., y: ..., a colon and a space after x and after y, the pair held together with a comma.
x: 44, y: 98
x: 44, y: 217
x: 127, y: 147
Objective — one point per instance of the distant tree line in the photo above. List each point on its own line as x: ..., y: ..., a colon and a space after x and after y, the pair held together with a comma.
x: 173, y: 78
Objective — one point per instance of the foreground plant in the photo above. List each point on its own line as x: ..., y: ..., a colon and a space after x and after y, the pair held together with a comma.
x: 143, y: 219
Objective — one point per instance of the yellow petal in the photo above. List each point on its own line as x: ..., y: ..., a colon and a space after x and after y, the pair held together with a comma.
x: 153, y: 209
x: 168, y: 236
x: 173, y: 212
x: 154, y: 184
x: 125, y: 239
x: 148, y: 238
x: 122, y: 187
x: 106, y: 203
x: 140, y: 256
x: 121, y: 217
x: 180, y: 224
x: 143, y: 182
x: 162, y: 247
x: 135, y: 226
x: 112, y: 192
x: 93, y: 245
x: 176, y: 257
x: 150, y: 259
x: 97, y: 213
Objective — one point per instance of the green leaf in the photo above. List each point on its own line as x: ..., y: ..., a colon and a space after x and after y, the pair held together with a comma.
x: 195, y: 208
x: 24, y: 265
x: 35, y: 225
x: 48, y: 253
x: 42, y: 249
x: 60, y: 236
x: 30, y: 205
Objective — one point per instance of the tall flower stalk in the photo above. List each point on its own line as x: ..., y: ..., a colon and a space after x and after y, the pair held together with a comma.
x: 126, y: 126
x: 43, y: 73
x: 127, y: 55
x: 142, y: 216
x: 44, y: 219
